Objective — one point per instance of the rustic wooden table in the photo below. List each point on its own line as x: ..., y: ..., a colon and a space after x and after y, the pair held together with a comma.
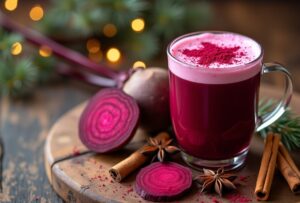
x: 25, y: 125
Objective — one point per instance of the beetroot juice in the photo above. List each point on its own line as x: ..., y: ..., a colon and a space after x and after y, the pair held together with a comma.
x: 214, y: 83
x: 213, y: 121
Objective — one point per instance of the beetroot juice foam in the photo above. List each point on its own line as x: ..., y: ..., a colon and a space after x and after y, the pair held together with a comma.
x: 214, y: 82
x: 189, y: 68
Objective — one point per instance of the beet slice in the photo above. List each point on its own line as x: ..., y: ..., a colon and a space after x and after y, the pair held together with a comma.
x: 109, y: 121
x: 163, y: 181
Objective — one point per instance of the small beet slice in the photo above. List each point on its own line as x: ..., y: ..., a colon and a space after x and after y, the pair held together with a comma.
x: 163, y: 181
x: 109, y: 121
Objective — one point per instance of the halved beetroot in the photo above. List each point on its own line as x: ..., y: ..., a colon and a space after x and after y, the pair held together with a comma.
x: 163, y: 181
x: 109, y: 121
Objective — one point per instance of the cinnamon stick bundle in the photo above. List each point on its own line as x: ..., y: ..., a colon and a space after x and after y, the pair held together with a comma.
x: 134, y: 161
x: 267, y: 167
x: 288, y: 169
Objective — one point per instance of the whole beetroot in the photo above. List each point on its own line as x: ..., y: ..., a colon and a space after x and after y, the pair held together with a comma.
x: 150, y: 88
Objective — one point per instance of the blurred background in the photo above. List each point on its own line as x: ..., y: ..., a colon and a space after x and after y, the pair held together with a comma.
x: 37, y: 88
x: 122, y: 34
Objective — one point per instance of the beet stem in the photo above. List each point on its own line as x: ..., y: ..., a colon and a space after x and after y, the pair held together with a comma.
x: 74, y: 57
x: 89, y: 78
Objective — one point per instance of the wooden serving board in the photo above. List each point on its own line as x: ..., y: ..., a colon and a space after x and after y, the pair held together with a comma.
x: 79, y: 175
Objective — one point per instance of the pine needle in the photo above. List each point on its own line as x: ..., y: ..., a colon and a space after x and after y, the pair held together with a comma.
x: 73, y: 22
x: 288, y: 125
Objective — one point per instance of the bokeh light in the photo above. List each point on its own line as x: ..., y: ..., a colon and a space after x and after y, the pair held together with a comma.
x: 110, y: 30
x: 16, y: 48
x: 113, y: 54
x: 45, y: 51
x: 138, y: 24
x: 138, y: 64
x: 11, y: 5
x: 36, y: 13
x: 93, y: 45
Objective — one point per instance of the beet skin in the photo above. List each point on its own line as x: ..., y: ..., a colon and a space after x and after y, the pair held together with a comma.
x: 150, y: 88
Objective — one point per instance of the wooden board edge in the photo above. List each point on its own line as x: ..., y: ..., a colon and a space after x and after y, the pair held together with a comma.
x: 59, y: 183
x: 71, y: 191
x: 50, y: 160
x: 47, y: 158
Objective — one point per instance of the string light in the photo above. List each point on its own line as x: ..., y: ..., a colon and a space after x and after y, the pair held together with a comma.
x: 96, y: 57
x: 110, y: 30
x: 138, y: 64
x: 45, y: 51
x: 93, y: 45
x: 138, y: 25
x: 113, y: 55
x: 36, y: 13
x: 10, y: 5
x: 16, y: 48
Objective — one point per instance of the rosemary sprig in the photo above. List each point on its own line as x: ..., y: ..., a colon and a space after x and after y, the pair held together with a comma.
x: 288, y: 125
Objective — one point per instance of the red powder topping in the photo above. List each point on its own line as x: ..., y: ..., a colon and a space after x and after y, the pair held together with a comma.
x: 211, y: 53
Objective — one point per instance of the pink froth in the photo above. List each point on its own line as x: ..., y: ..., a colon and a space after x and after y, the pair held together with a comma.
x: 186, y: 62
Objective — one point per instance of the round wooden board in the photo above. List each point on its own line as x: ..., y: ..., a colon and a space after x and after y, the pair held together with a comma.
x: 79, y: 175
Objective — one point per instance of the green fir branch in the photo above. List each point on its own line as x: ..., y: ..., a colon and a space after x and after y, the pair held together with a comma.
x: 18, y: 75
x: 6, y: 42
x: 168, y: 17
x: 74, y: 21
x: 141, y: 46
x: 288, y: 125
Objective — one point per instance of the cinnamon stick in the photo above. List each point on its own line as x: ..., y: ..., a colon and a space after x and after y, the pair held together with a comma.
x: 288, y: 169
x: 134, y: 161
x: 267, y: 167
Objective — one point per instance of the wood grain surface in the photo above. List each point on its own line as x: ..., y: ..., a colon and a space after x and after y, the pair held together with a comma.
x: 79, y: 175
x: 25, y: 126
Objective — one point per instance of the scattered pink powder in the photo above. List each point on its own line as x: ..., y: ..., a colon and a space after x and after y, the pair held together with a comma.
x: 214, y: 200
x: 238, y: 198
x: 244, y: 178
x: 129, y: 190
x: 75, y: 151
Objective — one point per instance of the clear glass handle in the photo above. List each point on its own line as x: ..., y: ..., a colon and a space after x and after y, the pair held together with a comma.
x: 271, y: 117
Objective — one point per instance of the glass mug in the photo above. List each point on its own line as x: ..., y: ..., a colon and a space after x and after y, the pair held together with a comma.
x: 214, y: 111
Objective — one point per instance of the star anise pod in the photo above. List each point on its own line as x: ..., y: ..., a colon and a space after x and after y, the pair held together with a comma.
x: 159, y: 146
x: 217, y: 181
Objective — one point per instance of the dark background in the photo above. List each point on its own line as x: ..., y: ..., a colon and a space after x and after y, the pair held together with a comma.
x: 274, y: 24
